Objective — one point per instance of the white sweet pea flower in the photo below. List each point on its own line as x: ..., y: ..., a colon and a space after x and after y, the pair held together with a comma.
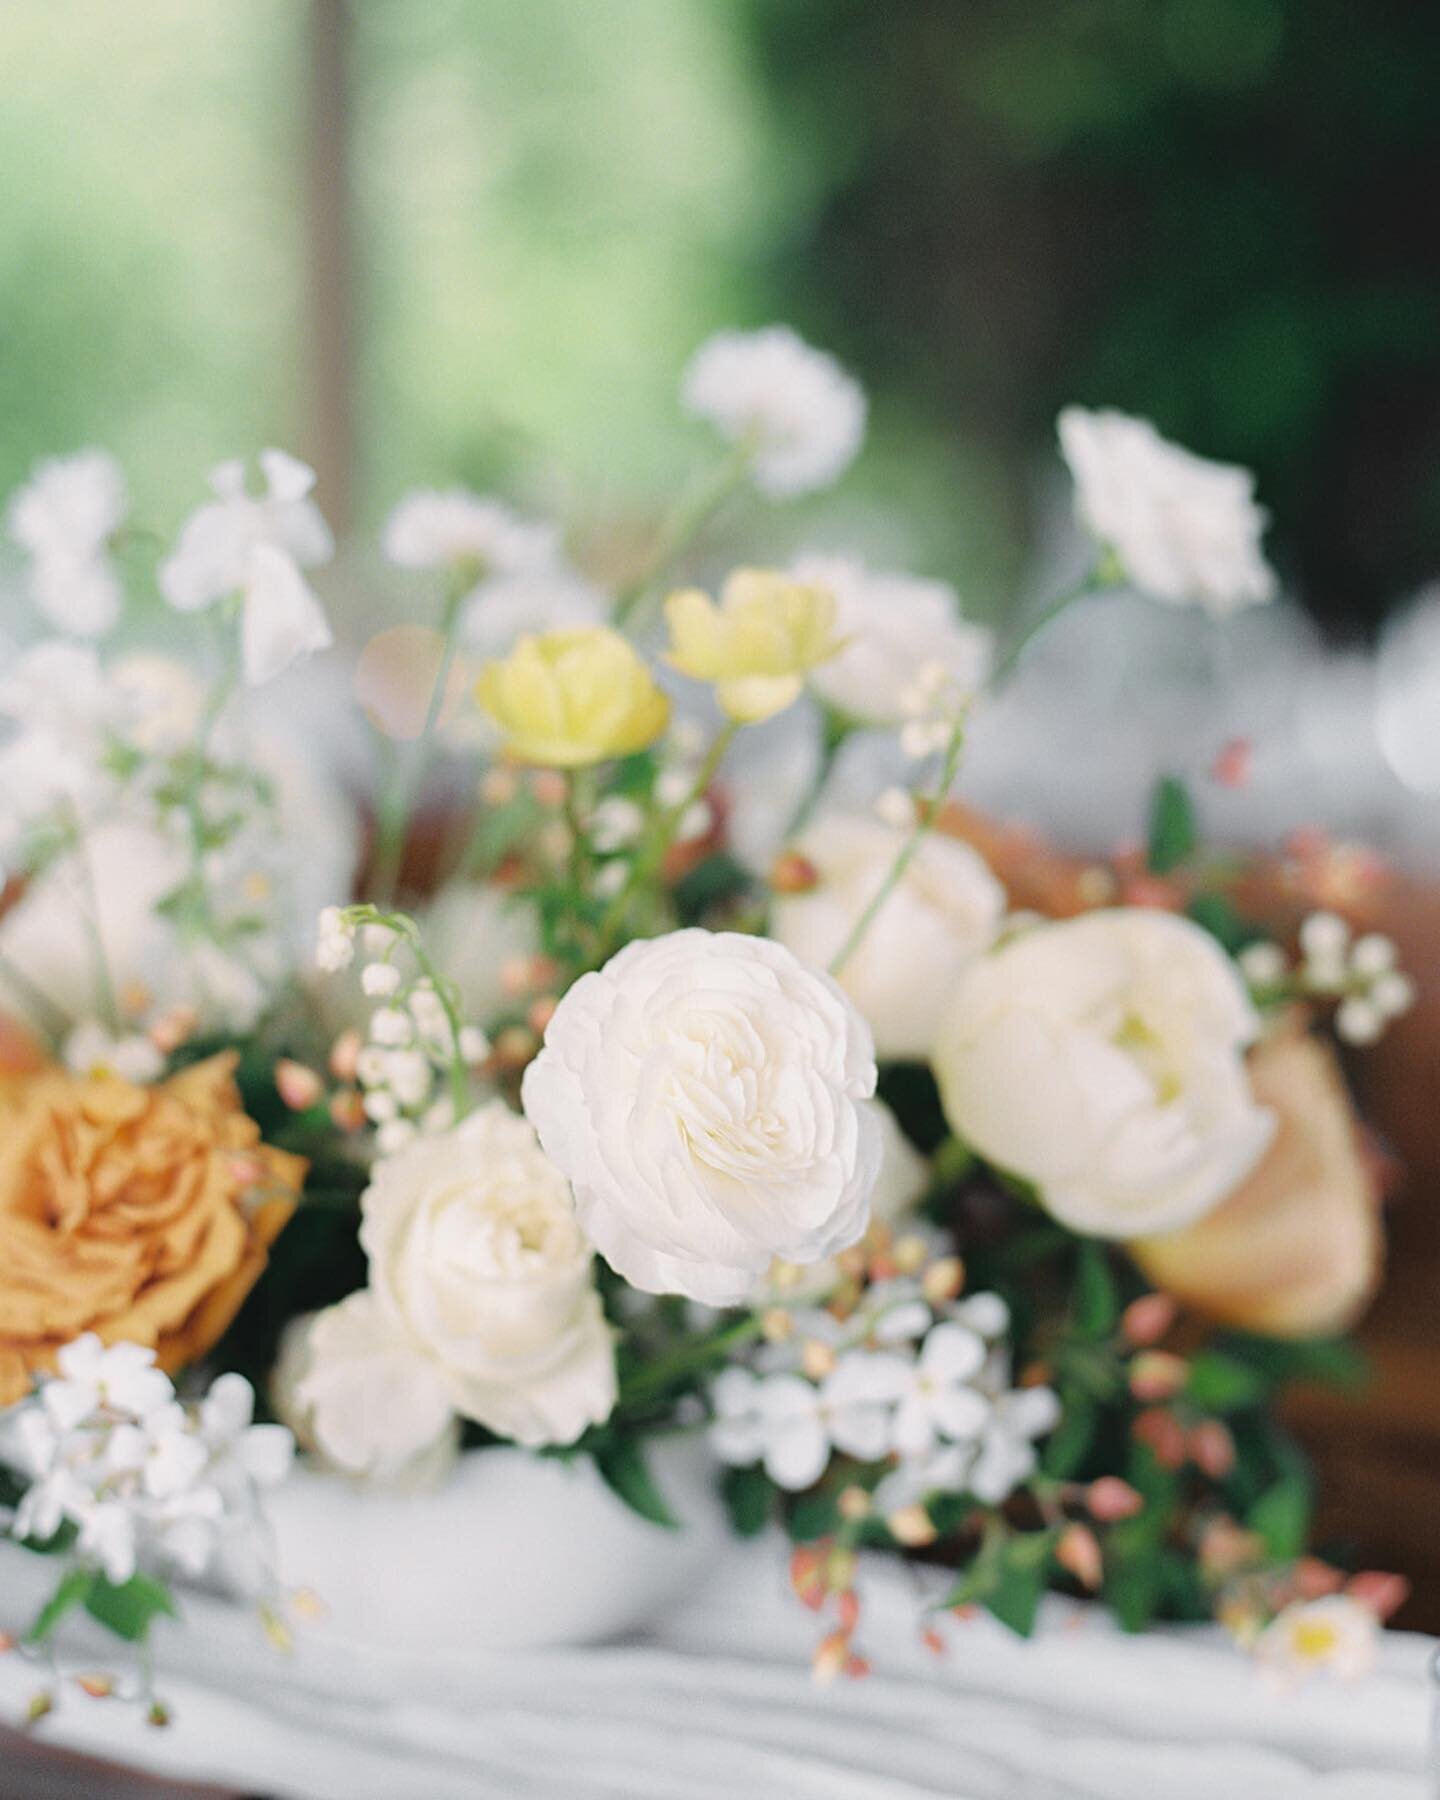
x: 1184, y: 530
x: 945, y: 911
x: 64, y: 518
x: 709, y: 1098
x: 802, y: 415
x: 256, y: 547
x: 458, y: 530
x: 1101, y: 1058
x: 894, y: 627
x: 477, y: 1260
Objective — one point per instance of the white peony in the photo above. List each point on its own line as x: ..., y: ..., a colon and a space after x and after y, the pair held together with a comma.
x: 64, y: 518
x: 1185, y: 530
x: 896, y: 626
x: 362, y: 1398
x: 945, y: 911
x: 802, y: 415
x: 1101, y: 1059
x: 476, y: 1257
x: 709, y: 1098
x: 460, y: 530
x: 256, y: 546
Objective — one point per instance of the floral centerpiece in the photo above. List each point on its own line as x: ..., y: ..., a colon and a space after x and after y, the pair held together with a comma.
x: 968, y: 1203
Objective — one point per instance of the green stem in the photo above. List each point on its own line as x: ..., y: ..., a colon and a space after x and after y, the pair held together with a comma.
x: 835, y: 729
x: 405, y: 928
x: 928, y: 808
x: 397, y: 804
x: 680, y: 531
x: 105, y: 998
x: 51, y: 1016
x: 651, y: 857
x: 689, y: 1359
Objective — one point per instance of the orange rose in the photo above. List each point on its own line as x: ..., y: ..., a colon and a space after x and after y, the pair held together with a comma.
x: 1295, y: 1251
x: 136, y: 1213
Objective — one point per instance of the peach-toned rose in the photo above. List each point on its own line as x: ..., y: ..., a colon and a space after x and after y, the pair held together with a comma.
x: 136, y: 1213
x: 1296, y: 1249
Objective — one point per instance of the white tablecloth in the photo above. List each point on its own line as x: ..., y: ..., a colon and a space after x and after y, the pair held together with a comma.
x: 716, y: 1703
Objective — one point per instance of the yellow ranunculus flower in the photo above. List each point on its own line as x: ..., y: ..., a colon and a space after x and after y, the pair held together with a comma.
x: 758, y: 644
x: 568, y: 698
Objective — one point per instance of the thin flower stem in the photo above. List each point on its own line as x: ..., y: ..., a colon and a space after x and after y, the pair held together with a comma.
x: 928, y: 809
x: 105, y: 997
x: 689, y: 1359
x: 660, y: 839
x: 680, y: 531
x: 397, y: 804
x: 50, y: 1012
x: 835, y: 728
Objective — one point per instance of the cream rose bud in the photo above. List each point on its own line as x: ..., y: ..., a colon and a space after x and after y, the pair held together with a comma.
x: 945, y: 912
x: 1101, y: 1059
x: 709, y: 1097
x: 477, y: 1259
x: 360, y: 1397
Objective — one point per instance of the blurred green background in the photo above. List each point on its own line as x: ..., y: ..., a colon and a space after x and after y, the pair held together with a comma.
x: 477, y: 240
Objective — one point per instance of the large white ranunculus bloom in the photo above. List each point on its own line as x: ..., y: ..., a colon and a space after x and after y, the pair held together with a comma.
x: 1101, y: 1059
x: 895, y: 626
x: 476, y: 1256
x: 709, y: 1098
x: 1184, y: 529
x: 800, y: 413
x: 945, y: 911
x: 361, y: 1397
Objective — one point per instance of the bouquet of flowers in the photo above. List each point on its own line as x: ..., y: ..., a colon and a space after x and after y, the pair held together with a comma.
x: 974, y: 1204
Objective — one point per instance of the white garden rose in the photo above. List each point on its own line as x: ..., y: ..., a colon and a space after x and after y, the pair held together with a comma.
x: 476, y: 1256
x: 1101, y: 1059
x: 945, y: 911
x: 360, y: 1397
x: 709, y: 1098
x: 894, y: 627
x: 1184, y: 530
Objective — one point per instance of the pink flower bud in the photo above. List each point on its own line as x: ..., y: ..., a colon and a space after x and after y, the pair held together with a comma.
x: 300, y: 1088
x: 1111, y: 1499
x: 1212, y: 1449
x: 1078, y: 1552
x: 1146, y: 1320
x: 1157, y: 1375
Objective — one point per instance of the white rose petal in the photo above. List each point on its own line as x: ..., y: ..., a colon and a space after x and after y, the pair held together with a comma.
x: 709, y: 1097
x: 946, y: 911
x: 1101, y: 1059
x: 1185, y: 530
x: 477, y: 1260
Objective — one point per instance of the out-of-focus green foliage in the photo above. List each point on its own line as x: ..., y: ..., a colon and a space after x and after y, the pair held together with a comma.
x: 1216, y: 212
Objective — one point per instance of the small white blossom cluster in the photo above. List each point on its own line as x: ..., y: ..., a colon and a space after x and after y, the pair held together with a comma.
x: 411, y: 1042
x: 800, y: 415
x: 1362, y: 973
x: 465, y: 533
x: 929, y: 704
x: 65, y: 519
x: 923, y: 1387
x: 145, y: 1480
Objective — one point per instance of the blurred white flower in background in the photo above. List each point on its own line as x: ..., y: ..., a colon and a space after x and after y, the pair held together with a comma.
x: 64, y: 519
x: 466, y: 533
x: 945, y: 911
x: 359, y: 1395
x: 1336, y: 1635
x: 895, y: 626
x: 256, y: 546
x: 1184, y: 530
x: 801, y: 415
x: 692, y: 1073
x: 1101, y: 1058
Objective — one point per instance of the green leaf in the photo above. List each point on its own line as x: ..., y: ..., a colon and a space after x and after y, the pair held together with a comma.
x: 1218, y: 1383
x: 1097, y: 1304
x: 72, y: 1588
x: 1282, y: 1517
x: 814, y: 1516
x: 1215, y: 914
x: 624, y: 1469
x: 1133, y: 1586
x: 1068, y: 1444
x: 749, y: 1496
x: 1015, y: 1598
x: 1172, y: 826
x: 128, y: 1609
